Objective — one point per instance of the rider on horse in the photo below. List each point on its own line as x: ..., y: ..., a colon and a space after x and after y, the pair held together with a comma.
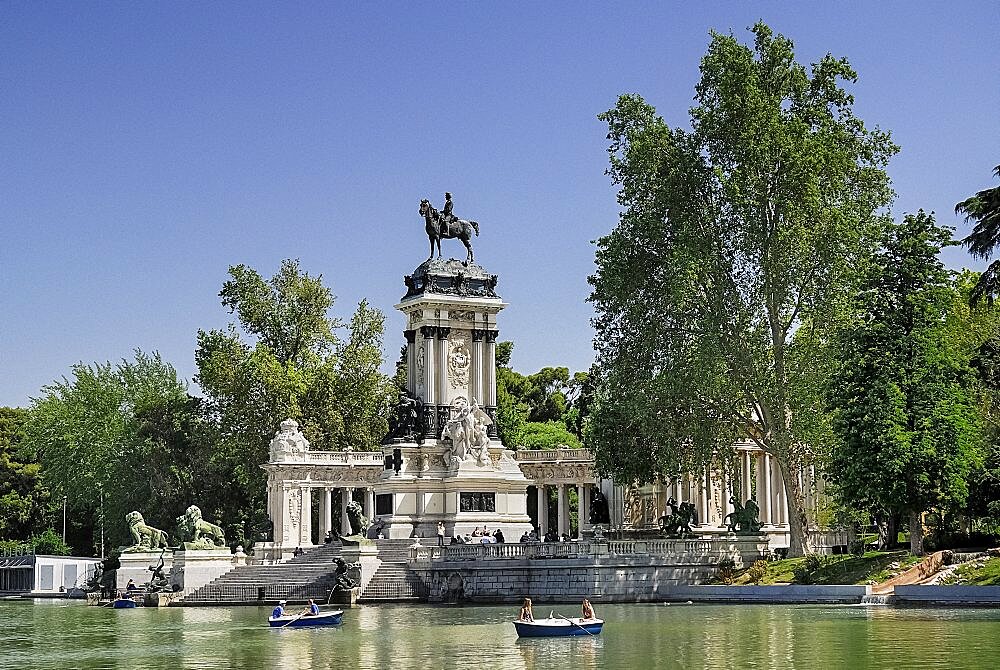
x: 446, y: 213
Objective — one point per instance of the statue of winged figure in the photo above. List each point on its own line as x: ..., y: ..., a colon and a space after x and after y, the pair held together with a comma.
x: 468, y: 434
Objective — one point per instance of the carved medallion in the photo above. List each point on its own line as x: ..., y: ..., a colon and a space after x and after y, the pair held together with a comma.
x: 459, y: 360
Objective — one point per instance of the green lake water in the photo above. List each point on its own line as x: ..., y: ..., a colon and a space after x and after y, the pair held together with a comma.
x: 68, y: 634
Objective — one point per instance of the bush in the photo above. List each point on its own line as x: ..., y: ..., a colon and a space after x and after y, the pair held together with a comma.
x: 803, y: 572
x: 756, y: 572
x: 50, y: 543
x: 727, y: 570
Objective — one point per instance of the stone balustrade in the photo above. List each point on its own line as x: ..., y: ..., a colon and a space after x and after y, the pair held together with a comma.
x: 554, y: 455
x: 367, y: 458
x: 687, y: 551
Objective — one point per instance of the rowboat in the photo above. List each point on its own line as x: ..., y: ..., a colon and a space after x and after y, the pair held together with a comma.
x: 295, y: 620
x: 562, y: 627
x: 123, y: 604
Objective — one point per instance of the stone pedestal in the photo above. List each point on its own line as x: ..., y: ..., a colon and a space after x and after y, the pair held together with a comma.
x: 193, y: 569
x: 431, y: 487
x: 367, y: 556
x: 458, y: 472
x: 135, y: 566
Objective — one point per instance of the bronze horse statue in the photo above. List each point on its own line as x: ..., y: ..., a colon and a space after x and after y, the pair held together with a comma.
x: 438, y: 230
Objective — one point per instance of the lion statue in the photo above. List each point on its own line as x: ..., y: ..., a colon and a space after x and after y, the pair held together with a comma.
x: 355, y: 514
x: 196, y: 531
x: 146, y: 538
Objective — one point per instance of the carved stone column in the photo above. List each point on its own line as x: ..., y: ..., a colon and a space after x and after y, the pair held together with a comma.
x: 345, y: 521
x: 543, y: 510
x: 490, y: 369
x: 442, y: 363
x: 411, y: 361
x: 562, y: 515
x: 579, y: 511
x: 704, y: 482
x: 767, y: 506
x: 430, y: 370
x: 280, y: 518
x: 723, y: 498
x: 323, y: 522
x: 747, y: 485
x: 476, y: 372
x: 305, y: 525
x: 369, y: 503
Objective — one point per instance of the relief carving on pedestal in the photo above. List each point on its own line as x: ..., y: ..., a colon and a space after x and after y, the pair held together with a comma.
x: 459, y: 360
x: 294, y: 511
x: 462, y: 315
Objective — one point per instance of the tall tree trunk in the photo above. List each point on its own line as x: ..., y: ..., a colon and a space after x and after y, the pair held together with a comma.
x: 798, y: 524
x: 916, y: 534
x: 888, y: 532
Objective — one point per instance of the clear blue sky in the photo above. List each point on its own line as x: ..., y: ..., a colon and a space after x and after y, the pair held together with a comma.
x: 145, y: 147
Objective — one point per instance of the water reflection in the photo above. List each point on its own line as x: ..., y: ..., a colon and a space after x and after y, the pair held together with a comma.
x: 56, y: 634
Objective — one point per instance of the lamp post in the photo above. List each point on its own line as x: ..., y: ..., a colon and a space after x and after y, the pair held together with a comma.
x: 102, y: 522
x: 64, y: 519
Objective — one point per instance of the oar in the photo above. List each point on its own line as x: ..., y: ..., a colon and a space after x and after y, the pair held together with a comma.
x: 293, y: 620
x: 578, y: 626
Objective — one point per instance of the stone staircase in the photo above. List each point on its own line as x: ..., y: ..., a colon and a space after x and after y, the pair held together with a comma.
x: 393, y: 580
x: 310, y: 575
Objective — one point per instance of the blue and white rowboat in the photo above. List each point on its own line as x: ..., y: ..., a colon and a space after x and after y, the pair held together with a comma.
x: 295, y: 621
x: 552, y: 627
x: 123, y: 604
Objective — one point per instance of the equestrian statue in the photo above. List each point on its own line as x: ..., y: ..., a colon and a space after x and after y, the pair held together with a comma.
x: 445, y: 225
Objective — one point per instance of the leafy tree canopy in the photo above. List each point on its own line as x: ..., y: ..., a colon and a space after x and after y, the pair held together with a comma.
x: 984, y: 209
x: 292, y: 360
x: 23, y: 496
x: 902, y: 394
x: 86, y: 430
x: 738, y: 244
x: 532, y: 407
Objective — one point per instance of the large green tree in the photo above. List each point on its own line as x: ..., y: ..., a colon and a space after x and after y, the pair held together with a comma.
x: 903, y: 398
x: 87, y: 432
x: 737, y: 244
x: 539, y: 411
x: 984, y: 209
x: 23, y: 496
x: 291, y: 360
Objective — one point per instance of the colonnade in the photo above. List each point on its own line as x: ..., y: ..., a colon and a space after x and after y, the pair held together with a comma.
x: 563, y: 507
x: 428, y: 376
x: 291, y: 510
x: 757, y: 475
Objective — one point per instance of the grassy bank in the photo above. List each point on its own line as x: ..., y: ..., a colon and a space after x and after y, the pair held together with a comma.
x: 871, y: 568
x: 977, y: 573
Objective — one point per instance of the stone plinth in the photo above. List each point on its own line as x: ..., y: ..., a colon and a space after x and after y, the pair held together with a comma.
x: 135, y: 566
x: 194, y: 568
x: 431, y: 486
x: 367, y: 556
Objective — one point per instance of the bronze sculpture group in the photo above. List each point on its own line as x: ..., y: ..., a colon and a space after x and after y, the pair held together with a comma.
x: 741, y: 521
x: 678, y: 522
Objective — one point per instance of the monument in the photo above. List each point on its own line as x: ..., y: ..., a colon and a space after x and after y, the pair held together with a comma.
x: 446, y: 462
x: 202, y: 554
